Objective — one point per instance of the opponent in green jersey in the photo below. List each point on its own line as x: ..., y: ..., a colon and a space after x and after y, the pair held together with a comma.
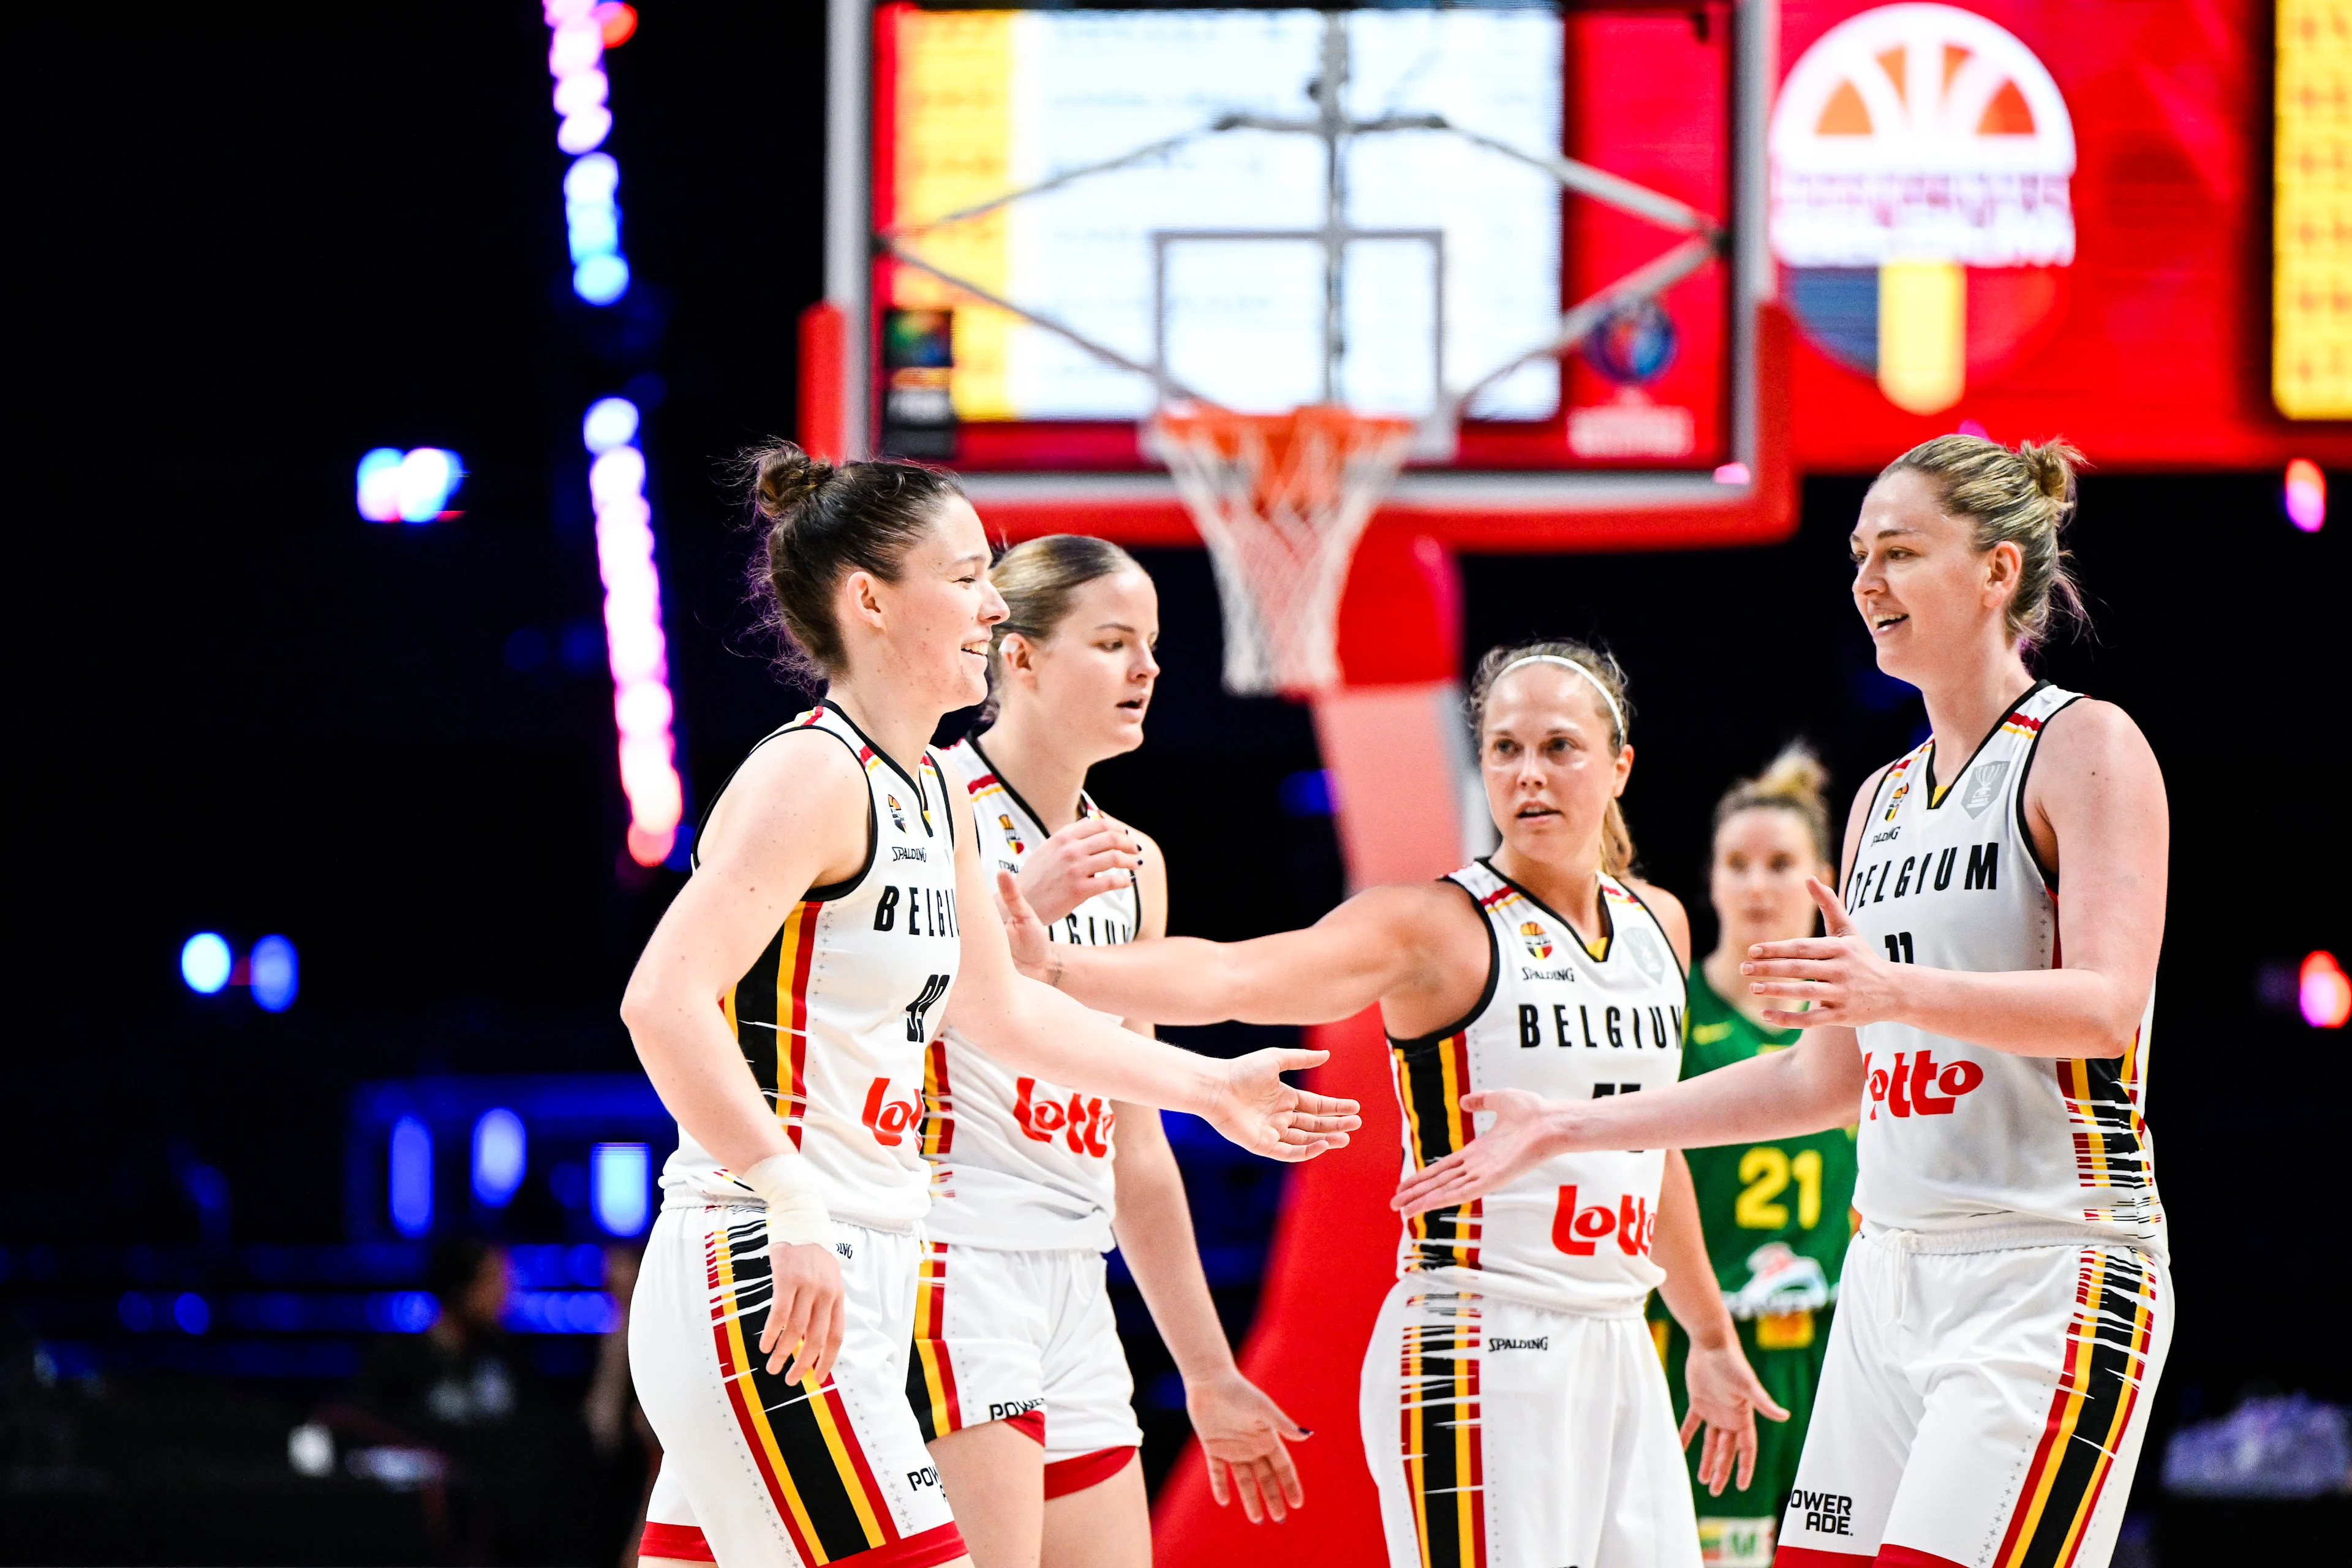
x: 1775, y: 1214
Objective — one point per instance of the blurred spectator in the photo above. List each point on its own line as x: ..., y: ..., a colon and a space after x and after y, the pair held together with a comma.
x: 514, y: 1457
x: 627, y: 1451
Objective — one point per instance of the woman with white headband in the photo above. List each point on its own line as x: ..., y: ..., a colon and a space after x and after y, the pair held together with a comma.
x: 1513, y: 1404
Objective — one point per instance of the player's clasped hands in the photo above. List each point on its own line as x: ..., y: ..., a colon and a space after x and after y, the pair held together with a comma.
x: 1093, y: 855
x: 1839, y: 977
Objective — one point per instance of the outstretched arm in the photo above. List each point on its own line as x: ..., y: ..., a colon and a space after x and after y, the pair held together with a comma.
x: 1724, y: 1394
x: 1381, y: 941
x: 1813, y: 1085
x: 1034, y: 1028
x: 2096, y: 796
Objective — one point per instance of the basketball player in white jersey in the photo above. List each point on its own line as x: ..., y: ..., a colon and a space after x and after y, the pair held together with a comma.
x: 1017, y: 1374
x: 2006, y: 1307
x: 839, y: 911
x: 1513, y: 1404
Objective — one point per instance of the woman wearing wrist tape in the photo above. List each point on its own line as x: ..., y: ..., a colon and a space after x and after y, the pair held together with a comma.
x: 1017, y: 1375
x: 2005, y: 1311
x: 838, y: 914
x: 1513, y: 1406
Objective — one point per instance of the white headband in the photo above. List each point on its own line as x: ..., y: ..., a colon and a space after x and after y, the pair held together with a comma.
x: 1616, y: 714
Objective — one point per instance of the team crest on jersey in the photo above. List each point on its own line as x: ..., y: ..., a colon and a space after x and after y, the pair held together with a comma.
x: 1011, y: 835
x: 1902, y: 788
x: 1539, y: 939
x: 1984, y: 787
x: 1645, y: 954
x: 898, y: 812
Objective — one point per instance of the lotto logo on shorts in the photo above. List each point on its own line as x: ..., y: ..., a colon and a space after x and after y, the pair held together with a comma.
x: 1910, y: 1090
x: 1578, y: 1231
x: 1826, y: 1513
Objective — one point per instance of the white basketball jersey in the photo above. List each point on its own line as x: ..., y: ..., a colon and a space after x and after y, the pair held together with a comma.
x: 1573, y: 1233
x: 834, y: 1016
x: 1955, y: 1136
x: 1018, y: 1162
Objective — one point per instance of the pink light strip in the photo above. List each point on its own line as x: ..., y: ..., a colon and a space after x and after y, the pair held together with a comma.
x: 638, y: 652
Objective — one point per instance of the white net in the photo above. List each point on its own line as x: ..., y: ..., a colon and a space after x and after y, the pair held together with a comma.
x: 1281, y: 501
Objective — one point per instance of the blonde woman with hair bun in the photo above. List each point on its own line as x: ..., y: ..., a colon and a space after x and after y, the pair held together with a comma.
x: 2006, y: 1307
x: 1775, y: 1212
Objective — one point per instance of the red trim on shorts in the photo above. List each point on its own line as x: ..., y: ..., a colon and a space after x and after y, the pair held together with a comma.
x: 1063, y: 1477
x: 1031, y: 1423
x: 1893, y: 1556
x: 941, y: 1544
x: 1814, y: 1557
x: 680, y: 1541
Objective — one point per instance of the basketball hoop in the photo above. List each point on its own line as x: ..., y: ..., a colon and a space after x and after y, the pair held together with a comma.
x: 1281, y: 501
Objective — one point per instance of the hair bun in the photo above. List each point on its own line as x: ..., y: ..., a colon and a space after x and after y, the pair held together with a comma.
x: 2052, y: 465
x: 785, y: 477
x: 1795, y: 774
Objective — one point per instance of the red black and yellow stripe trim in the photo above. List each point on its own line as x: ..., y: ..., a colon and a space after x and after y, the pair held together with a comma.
x: 1432, y: 1075
x: 801, y: 1438
x: 931, y: 1370
x: 768, y: 1012
x: 939, y: 1102
x: 2099, y: 1389
x: 2111, y: 1145
x: 1445, y: 1470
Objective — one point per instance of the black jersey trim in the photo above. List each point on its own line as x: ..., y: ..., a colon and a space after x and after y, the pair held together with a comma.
x: 830, y: 891
x: 1848, y: 872
x: 1936, y: 800
x: 1493, y: 975
x: 2025, y: 834
x: 952, y: 802
x: 1608, y: 922
x: 922, y: 796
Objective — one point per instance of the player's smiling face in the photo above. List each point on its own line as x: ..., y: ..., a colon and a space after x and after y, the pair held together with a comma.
x: 1923, y: 589
x: 935, y: 618
x: 1094, y: 676
x: 1544, y: 751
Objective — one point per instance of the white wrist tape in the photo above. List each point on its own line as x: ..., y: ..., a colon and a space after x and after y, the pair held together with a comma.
x: 788, y: 1184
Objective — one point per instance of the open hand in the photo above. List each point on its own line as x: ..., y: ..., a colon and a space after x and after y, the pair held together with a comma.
x: 1254, y: 1108
x: 1093, y: 855
x: 804, y: 1315
x: 1840, y: 974
x: 1032, y: 951
x: 1518, y: 1141
x: 1243, y: 1434
x: 1725, y: 1397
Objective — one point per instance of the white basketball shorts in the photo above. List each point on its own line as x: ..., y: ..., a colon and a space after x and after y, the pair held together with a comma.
x: 1028, y: 1339
x: 1983, y: 1408
x: 1509, y: 1435
x: 757, y: 1472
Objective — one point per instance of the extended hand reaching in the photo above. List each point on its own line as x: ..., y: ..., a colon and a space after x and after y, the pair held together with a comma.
x: 1844, y: 980
x: 1093, y: 855
x: 1725, y: 1397
x: 1243, y: 1434
x: 1024, y: 931
x: 1518, y: 1141
x: 1258, y: 1110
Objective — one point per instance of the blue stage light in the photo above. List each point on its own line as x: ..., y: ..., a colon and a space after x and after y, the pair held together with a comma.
x: 138, y: 1313
x: 193, y: 1313
x: 619, y: 1180
x: 499, y: 1149
x: 601, y: 279
x: 379, y: 484
x: 402, y: 1311
x: 410, y: 1177
x: 610, y: 422
x: 205, y: 962
x: 275, y: 973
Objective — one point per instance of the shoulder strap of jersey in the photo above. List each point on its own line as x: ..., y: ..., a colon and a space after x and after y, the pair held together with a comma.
x: 1479, y: 884
x: 813, y: 718
x: 2041, y: 706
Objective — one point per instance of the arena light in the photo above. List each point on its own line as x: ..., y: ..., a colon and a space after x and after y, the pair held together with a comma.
x: 579, y: 33
x: 408, y: 486
x: 500, y: 1155
x: 205, y: 962
x: 2306, y: 495
x: 634, y: 643
x: 2325, y: 992
x: 410, y: 1177
x: 274, y: 974
x: 619, y: 1176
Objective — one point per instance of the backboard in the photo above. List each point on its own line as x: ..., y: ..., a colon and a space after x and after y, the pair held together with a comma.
x: 1536, y: 232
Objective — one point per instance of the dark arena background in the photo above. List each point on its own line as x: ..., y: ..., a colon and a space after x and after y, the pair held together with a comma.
x: 375, y: 759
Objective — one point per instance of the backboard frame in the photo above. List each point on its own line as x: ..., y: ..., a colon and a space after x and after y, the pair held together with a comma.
x: 1749, y: 499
